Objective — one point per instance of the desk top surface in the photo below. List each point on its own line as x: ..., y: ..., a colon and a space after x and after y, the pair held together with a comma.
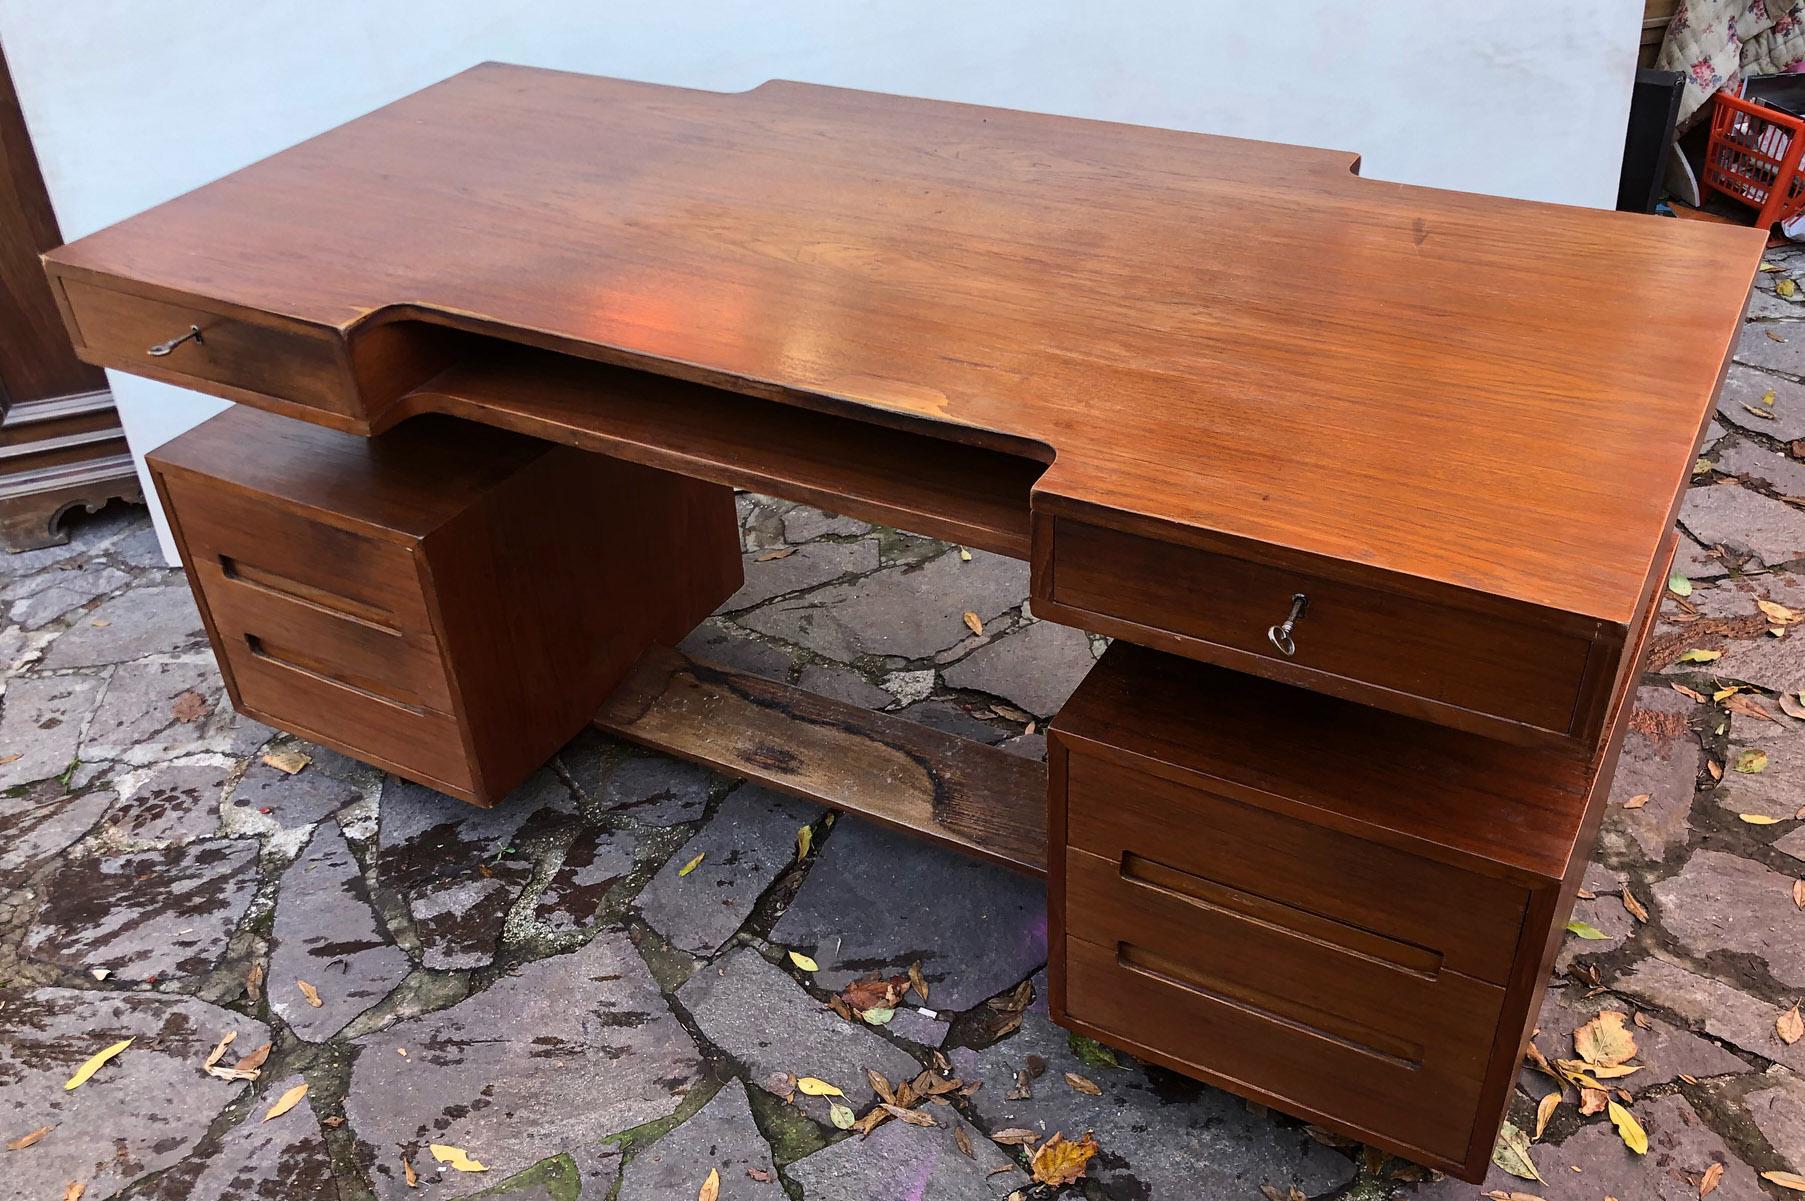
x: 1206, y: 335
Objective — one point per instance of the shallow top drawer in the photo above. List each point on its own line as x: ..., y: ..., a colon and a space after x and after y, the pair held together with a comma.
x: 159, y: 339
x: 1472, y: 670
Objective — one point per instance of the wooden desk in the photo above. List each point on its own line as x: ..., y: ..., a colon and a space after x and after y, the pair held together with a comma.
x: 1202, y: 385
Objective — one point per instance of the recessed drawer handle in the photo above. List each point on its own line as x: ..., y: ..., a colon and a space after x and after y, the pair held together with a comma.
x: 163, y: 348
x: 1280, y: 635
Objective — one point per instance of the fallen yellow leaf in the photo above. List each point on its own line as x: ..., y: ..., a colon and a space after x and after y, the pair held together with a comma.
x: 408, y: 1175
x: 1634, y: 906
x: 1545, y: 1110
x: 711, y: 1187
x: 1628, y: 1128
x: 804, y: 962
x: 1059, y: 1162
x: 813, y: 1086
x: 1759, y: 819
x: 805, y: 838
x: 74, y: 1190
x: 1700, y: 656
x: 1751, y: 761
x: 310, y: 992
x: 454, y: 1158
x: 287, y: 762
x: 1790, y: 1026
x: 1777, y: 612
x: 1637, y: 801
x: 1791, y: 1180
x: 93, y: 1063
x: 1798, y: 894
x: 1710, y: 1180
x: 964, y: 555
x: 973, y: 622
x: 840, y: 1115
x: 692, y: 865
x: 287, y: 1101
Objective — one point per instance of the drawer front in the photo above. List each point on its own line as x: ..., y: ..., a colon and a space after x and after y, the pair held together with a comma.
x: 1385, y: 649
x: 1277, y: 1048
x: 1460, y: 921
x: 420, y: 744
x: 117, y: 329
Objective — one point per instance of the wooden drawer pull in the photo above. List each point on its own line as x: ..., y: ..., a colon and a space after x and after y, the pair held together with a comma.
x: 1280, y: 635
x: 264, y: 580
x: 306, y: 665
x: 163, y: 348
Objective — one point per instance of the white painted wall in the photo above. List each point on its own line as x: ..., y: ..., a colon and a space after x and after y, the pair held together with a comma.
x: 131, y: 102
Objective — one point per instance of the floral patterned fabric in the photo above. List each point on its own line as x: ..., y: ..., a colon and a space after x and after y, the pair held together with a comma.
x: 1715, y: 43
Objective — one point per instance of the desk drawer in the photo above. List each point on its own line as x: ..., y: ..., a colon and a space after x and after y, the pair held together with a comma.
x: 298, y: 364
x: 1460, y: 921
x: 1392, y: 651
x: 1415, y: 1081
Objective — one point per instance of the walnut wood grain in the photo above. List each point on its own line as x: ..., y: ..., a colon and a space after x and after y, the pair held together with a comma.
x: 951, y: 790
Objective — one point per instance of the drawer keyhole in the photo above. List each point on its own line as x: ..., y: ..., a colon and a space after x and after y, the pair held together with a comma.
x: 1280, y: 635
x: 163, y: 348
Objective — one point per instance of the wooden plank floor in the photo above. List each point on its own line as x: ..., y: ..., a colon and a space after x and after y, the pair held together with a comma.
x: 958, y: 792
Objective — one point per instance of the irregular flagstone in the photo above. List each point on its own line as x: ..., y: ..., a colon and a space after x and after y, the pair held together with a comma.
x: 1660, y: 760
x: 142, y: 1111
x: 327, y: 933
x: 32, y: 830
x: 904, y: 1161
x: 1778, y: 790
x: 720, y: 1137
x: 843, y: 684
x: 1721, y: 902
x: 1778, y: 1111
x: 750, y: 839
x: 910, y: 612
x: 459, y: 922
x: 153, y: 913
x: 1155, y: 1141
x: 757, y: 1014
x: 657, y: 790
x: 878, y: 900
x: 1792, y: 844
x: 1663, y: 1051
x: 1594, y: 1163
x: 738, y: 651
x: 160, y: 709
x: 257, y: 1160
x: 175, y: 802
x: 308, y: 796
x: 1718, y: 1009
x: 63, y: 592
x: 1037, y: 667
x: 42, y: 724
x: 595, y: 862
x: 151, y: 619
x: 806, y: 567
x: 1734, y: 516
x: 1757, y: 464
x: 803, y: 524
x: 550, y: 1059
x: 1746, y: 386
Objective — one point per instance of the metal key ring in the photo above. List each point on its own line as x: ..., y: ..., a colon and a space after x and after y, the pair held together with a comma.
x: 1280, y: 635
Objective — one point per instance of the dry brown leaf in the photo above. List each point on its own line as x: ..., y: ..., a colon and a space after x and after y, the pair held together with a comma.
x: 1592, y: 1101
x: 1544, y: 1111
x: 1779, y: 614
x: 1687, y: 692
x: 918, y: 982
x: 1773, y: 336
x: 254, y: 1060
x: 1791, y: 1180
x: 913, y: 1117
x: 1789, y: 705
x: 189, y: 706
x: 1534, y: 1055
x: 219, y: 1048
x: 1080, y: 1084
x: 1798, y: 894
x: 1641, y: 1019
x: 875, y: 993
x: 26, y: 1140
x: 310, y: 992
x: 1715, y: 768
x: 1059, y: 1162
x: 1710, y: 1180
x: 1634, y: 906
x: 880, y: 1085
x: 253, y: 983
x: 1015, y: 1136
x: 1637, y: 801
x: 973, y: 622
x: 962, y: 1141
x: 408, y: 1175
x: 74, y: 1190
x: 287, y: 1101
x: 711, y: 1187
x: 287, y: 762
x: 759, y: 1174
x: 1790, y: 1026
x: 782, y: 553
x: 1748, y: 706
x: 1605, y: 1041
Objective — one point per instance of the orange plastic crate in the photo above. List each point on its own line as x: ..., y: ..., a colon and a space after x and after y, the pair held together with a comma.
x: 1753, y: 158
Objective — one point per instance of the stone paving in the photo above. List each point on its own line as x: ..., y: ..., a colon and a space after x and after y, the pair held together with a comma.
x: 542, y: 991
